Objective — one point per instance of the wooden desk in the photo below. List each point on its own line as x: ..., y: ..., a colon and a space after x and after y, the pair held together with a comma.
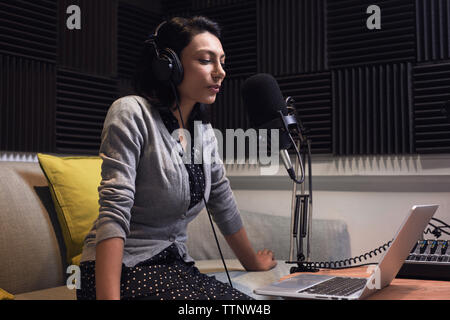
x: 399, y: 289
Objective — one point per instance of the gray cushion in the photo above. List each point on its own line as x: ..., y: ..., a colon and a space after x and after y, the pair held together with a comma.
x: 30, y: 257
x: 330, y: 238
x: 263, y: 232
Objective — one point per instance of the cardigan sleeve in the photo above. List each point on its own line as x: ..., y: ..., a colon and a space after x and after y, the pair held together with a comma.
x: 221, y: 202
x: 120, y: 149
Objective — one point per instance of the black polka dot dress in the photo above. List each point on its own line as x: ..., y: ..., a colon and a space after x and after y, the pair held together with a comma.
x: 166, y: 276
x: 195, y: 171
x: 163, y: 277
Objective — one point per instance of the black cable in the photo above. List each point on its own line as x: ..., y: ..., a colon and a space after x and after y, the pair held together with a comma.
x: 442, y: 222
x: 291, y: 172
x: 437, y: 230
x: 342, y: 264
x: 209, y: 214
x: 308, y: 268
x: 302, y: 179
x: 217, y: 242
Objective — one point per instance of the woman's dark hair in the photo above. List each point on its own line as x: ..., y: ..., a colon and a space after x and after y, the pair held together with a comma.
x: 176, y: 34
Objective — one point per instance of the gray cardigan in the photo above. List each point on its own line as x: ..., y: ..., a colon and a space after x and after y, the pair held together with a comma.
x: 144, y: 192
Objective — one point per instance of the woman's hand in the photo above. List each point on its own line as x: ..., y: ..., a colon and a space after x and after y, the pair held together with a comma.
x: 262, y: 260
x: 265, y: 260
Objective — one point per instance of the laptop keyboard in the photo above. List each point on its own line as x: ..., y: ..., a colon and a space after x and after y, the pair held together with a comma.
x: 338, y: 286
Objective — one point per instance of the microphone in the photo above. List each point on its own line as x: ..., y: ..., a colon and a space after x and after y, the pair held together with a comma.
x: 267, y: 109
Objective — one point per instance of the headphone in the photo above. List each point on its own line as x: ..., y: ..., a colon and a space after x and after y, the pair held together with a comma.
x: 166, y: 65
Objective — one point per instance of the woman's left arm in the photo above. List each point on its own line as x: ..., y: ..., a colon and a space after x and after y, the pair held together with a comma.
x: 262, y: 260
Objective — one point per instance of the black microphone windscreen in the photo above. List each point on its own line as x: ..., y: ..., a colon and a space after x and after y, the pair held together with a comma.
x: 262, y: 99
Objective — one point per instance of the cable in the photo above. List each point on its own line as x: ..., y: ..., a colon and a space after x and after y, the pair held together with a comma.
x: 308, y: 268
x: 438, y: 230
x: 218, y: 245
x: 302, y: 179
x: 209, y: 214
x: 442, y: 222
x: 342, y: 264
x: 291, y: 172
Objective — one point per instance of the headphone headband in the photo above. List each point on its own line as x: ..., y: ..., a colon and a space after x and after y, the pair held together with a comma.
x: 159, y: 27
x: 152, y: 38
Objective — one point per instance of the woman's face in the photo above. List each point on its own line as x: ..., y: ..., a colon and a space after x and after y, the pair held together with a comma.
x: 203, y: 61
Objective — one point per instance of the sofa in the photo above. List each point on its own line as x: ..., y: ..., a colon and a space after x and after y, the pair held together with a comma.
x: 33, y: 264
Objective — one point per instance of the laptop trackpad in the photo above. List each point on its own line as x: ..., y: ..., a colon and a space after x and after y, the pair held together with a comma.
x: 301, y: 281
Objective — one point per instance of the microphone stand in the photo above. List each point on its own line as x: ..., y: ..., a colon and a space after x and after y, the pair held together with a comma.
x: 302, y: 205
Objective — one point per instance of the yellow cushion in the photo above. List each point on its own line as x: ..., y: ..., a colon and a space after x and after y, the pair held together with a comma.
x: 76, y: 260
x: 4, y: 295
x: 73, y: 183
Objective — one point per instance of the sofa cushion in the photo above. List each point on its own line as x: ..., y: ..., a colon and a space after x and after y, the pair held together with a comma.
x: 263, y: 231
x: 329, y: 238
x: 73, y: 184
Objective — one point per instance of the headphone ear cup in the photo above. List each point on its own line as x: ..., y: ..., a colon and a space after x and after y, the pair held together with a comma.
x: 162, y: 68
x: 176, y: 72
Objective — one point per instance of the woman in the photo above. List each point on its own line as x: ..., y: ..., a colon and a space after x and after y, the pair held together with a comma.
x: 136, y: 248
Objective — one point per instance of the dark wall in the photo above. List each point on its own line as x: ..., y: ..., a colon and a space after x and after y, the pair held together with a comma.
x: 57, y: 84
x: 358, y: 91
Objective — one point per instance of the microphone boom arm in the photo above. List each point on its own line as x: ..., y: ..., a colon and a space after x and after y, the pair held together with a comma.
x: 302, y: 203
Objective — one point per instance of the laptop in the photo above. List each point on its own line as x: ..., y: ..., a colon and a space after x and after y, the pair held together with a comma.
x: 313, y: 286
